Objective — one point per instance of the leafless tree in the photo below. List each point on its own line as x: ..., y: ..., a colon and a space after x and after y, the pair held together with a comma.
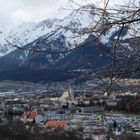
x: 121, y: 17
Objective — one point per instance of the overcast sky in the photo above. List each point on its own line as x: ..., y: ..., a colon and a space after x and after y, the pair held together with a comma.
x: 16, y: 11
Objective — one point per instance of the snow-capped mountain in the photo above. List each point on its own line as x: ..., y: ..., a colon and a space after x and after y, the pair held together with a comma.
x: 61, y: 35
x: 24, y: 33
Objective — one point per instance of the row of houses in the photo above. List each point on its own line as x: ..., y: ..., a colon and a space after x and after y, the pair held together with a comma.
x: 40, y: 118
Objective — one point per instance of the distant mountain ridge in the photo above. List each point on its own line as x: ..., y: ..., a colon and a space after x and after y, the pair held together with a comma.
x: 60, y: 35
x: 28, y: 32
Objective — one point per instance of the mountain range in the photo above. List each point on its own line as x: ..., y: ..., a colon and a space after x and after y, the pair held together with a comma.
x: 84, y: 54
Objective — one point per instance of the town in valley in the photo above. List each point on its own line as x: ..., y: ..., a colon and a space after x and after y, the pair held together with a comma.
x: 84, y: 109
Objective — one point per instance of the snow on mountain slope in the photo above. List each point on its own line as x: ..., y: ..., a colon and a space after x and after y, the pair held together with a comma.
x: 71, y: 27
x: 24, y: 34
x: 67, y: 27
x: 60, y: 35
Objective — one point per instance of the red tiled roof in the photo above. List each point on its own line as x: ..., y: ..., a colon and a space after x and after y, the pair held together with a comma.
x: 56, y: 124
x: 30, y: 115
